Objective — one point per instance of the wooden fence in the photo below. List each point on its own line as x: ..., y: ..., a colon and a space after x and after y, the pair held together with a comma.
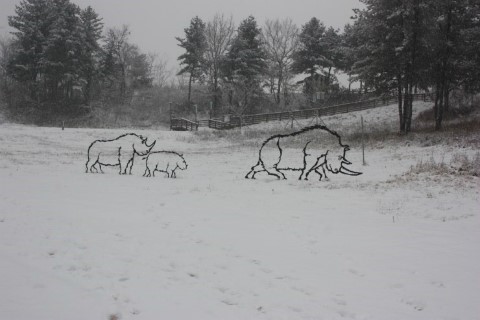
x: 181, y: 124
x: 246, y: 120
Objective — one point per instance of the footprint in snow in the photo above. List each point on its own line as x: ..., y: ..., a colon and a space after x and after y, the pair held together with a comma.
x: 438, y: 284
x: 340, y: 302
x: 356, y: 272
x: 417, y: 305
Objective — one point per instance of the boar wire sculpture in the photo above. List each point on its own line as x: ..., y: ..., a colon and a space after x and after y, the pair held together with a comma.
x: 164, y: 161
x: 275, y: 157
x: 117, y: 152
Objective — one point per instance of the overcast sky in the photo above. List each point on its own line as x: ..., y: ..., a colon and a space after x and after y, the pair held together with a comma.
x: 156, y: 23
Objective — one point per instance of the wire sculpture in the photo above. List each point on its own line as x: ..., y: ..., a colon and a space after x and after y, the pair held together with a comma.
x: 164, y: 161
x: 117, y: 152
x: 280, y: 153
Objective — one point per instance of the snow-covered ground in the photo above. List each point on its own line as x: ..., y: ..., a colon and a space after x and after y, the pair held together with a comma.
x: 210, y: 244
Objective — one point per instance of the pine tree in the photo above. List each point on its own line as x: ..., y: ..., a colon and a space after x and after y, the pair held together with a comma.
x: 310, y: 57
x: 53, y: 49
x: 318, y: 50
x: 391, y: 49
x: 63, y: 50
x: 245, y: 64
x: 92, y: 27
x: 193, y: 59
x: 32, y: 21
x: 333, y: 53
x: 455, y: 45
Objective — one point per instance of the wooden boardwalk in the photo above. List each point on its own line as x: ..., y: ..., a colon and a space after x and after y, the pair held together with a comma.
x: 181, y: 124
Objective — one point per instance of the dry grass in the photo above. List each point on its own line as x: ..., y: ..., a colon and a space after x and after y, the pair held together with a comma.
x: 465, y: 165
x: 460, y: 164
x: 114, y: 317
x: 459, y: 128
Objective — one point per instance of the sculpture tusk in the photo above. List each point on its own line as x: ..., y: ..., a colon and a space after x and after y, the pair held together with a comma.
x: 349, y: 172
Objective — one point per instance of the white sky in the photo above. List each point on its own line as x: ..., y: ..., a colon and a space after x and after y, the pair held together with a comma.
x: 155, y: 24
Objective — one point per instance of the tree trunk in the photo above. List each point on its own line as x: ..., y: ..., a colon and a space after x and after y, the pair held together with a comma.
x: 328, y: 79
x: 215, y: 95
x: 446, y: 101
x: 189, y: 89
x: 443, y: 75
x: 436, y: 106
x: 409, y: 109
x: 439, y: 113
x: 123, y: 85
x: 400, y: 104
x: 279, y: 87
x: 405, y: 106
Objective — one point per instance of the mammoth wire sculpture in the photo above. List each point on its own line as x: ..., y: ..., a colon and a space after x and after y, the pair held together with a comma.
x: 164, y: 161
x: 120, y: 152
x: 275, y: 157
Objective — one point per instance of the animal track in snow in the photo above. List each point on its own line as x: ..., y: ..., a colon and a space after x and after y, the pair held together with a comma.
x: 417, y: 305
x: 356, y: 272
x: 438, y: 284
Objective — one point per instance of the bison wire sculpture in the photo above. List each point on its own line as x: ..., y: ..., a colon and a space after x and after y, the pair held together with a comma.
x: 164, y: 161
x: 117, y: 152
x: 277, y: 154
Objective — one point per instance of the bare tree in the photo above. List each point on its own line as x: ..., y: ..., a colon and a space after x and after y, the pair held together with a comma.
x: 161, y: 73
x: 219, y: 34
x: 280, y: 38
x: 119, y: 50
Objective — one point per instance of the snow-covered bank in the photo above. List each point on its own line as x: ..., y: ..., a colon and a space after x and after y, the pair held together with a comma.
x: 213, y: 245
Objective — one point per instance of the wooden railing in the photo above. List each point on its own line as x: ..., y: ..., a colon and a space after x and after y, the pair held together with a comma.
x: 245, y: 120
x: 181, y: 124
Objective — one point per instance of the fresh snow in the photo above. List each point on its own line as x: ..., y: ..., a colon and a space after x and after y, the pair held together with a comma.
x: 213, y: 245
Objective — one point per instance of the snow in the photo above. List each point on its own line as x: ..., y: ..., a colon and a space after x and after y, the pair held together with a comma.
x: 213, y: 245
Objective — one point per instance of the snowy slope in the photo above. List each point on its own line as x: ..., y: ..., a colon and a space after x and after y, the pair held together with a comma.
x: 213, y: 245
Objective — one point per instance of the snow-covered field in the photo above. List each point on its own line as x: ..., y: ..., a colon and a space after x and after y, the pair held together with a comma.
x: 210, y: 244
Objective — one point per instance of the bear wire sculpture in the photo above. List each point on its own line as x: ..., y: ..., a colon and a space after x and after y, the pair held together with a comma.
x: 314, y: 154
x: 164, y: 161
x: 117, y: 152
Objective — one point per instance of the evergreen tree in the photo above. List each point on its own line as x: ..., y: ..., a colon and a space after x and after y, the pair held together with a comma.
x: 310, y: 57
x: 455, y: 45
x: 32, y: 21
x: 92, y: 27
x: 349, y: 44
x: 193, y: 59
x: 63, y: 50
x: 245, y: 64
x: 391, y: 49
x: 54, y: 49
x: 333, y: 53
